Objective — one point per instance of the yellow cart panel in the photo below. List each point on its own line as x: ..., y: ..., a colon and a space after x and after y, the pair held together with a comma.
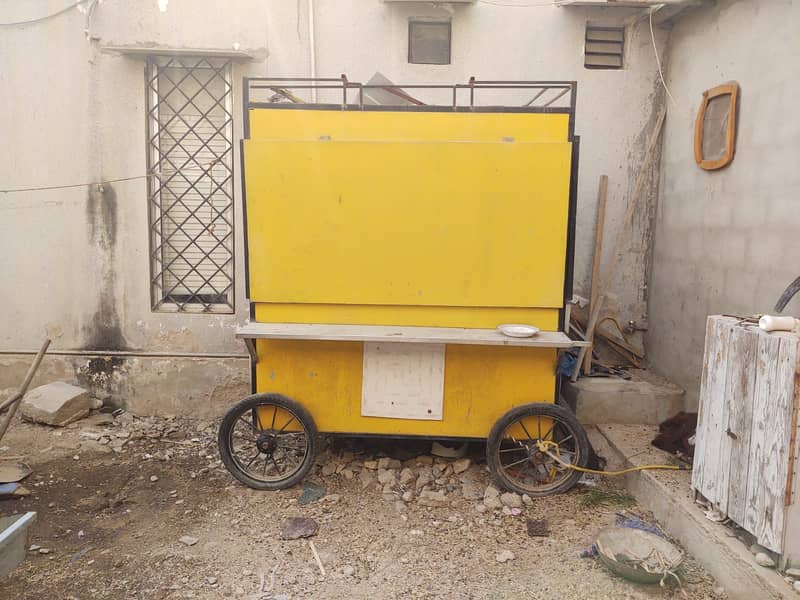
x: 397, y: 223
x: 481, y: 383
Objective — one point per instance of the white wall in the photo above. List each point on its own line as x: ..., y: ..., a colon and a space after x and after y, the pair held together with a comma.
x: 75, y: 263
x: 727, y: 241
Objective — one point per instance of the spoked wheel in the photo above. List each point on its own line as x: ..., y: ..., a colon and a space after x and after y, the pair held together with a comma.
x: 268, y: 441
x: 529, y: 446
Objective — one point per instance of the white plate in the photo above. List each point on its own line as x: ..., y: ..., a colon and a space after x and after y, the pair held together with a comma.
x: 517, y: 330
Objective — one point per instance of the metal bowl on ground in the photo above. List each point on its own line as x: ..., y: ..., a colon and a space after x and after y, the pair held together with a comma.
x: 638, y: 555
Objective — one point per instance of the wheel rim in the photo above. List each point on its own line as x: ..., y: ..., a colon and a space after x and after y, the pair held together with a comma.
x: 525, y: 455
x: 268, y: 443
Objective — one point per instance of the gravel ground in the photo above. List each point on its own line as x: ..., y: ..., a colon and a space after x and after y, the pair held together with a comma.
x: 114, y: 499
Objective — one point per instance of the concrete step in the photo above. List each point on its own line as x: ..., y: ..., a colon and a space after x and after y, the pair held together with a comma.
x: 669, y: 496
x: 644, y: 399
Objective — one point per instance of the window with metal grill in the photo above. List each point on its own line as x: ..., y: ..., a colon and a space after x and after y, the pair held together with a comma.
x: 429, y: 42
x: 603, y: 47
x: 190, y: 160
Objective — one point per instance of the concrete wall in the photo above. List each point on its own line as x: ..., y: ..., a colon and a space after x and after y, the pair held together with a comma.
x: 74, y: 262
x: 726, y: 241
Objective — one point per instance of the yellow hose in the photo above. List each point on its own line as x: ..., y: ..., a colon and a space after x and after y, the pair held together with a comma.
x: 542, y: 445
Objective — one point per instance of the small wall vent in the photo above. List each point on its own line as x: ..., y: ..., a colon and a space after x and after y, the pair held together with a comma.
x: 603, y: 47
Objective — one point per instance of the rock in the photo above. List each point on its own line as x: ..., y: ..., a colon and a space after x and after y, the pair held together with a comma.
x: 34, y: 548
x: 372, y: 465
x: 387, y: 477
x: 347, y: 474
x: 491, y: 497
x: 56, y: 403
x: 471, y: 490
x: 400, y: 506
x: 367, y: 478
x: 188, y: 540
x: 793, y: 573
x: 425, y: 461
x: 765, y: 560
x: 408, y: 496
x: 348, y: 571
x: 44, y: 550
x: 95, y: 403
x: 461, y: 465
x: 328, y: 469
x: 431, y: 498
x: 481, y: 508
x: 298, y: 527
x: 527, y: 500
x: 511, y: 500
x: 796, y: 586
x: 504, y: 556
x: 153, y: 478
x: 407, y: 476
x: 424, y: 477
x: 211, y: 580
x: 389, y: 463
x: 756, y: 548
x: 719, y: 592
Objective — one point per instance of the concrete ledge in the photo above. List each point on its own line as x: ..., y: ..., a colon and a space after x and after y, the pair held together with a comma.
x: 645, y: 398
x: 669, y: 496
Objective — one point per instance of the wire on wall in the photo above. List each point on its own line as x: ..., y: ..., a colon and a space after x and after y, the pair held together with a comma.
x: 658, y: 61
x: 72, y: 185
x: 67, y: 8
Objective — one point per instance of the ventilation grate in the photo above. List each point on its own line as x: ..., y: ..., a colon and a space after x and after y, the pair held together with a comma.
x: 604, y: 47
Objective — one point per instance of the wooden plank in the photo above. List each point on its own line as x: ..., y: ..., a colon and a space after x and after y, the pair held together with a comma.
x: 602, y: 195
x: 698, y: 466
x: 774, y: 457
x: 709, y: 439
x: 788, y: 498
x: 735, y: 443
x: 380, y: 333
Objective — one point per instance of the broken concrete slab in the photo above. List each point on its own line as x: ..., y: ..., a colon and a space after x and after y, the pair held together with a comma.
x: 56, y: 404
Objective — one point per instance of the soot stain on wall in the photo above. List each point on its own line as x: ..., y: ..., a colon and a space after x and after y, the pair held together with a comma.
x: 104, y: 332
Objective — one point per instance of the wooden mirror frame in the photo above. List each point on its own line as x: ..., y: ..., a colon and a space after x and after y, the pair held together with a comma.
x: 730, y: 135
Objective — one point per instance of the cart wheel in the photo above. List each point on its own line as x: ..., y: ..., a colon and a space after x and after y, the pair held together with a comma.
x: 516, y: 460
x: 268, y: 441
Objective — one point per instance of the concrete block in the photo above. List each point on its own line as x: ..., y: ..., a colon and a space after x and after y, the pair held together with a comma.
x: 56, y: 403
x: 645, y: 399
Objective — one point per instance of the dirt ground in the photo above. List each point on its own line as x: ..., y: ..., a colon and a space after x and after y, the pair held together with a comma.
x: 114, y: 499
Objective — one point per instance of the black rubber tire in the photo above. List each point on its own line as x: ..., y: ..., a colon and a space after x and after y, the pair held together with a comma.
x: 583, y: 447
x: 249, y: 403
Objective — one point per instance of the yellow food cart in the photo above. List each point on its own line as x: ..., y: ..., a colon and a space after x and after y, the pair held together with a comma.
x: 385, y: 242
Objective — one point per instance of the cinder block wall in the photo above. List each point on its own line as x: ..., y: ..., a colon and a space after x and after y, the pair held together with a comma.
x: 726, y: 241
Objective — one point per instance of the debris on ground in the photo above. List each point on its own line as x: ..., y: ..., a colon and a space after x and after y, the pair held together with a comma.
x: 298, y: 527
x: 537, y: 528
x: 13, y: 490
x: 134, y: 528
x: 14, y: 472
x: 57, y: 404
x: 311, y: 493
x: 188, y: 540
x: 504, y: 556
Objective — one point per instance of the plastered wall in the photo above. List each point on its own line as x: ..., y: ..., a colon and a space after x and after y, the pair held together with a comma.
x: 74, y: 262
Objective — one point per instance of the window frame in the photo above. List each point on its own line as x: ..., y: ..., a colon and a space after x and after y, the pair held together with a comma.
x: 163, y: 297
x: 731, y: 89
x: 421, y: 21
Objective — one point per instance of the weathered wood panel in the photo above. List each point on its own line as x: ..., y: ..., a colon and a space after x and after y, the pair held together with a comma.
x: 712, y: 398
x: 735, y: 441
x: 773, y: 463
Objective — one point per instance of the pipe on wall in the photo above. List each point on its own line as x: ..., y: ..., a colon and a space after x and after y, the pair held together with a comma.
x: 312, y: 52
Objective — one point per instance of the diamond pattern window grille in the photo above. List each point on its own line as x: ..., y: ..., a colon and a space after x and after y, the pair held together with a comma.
x: 190, y: 158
